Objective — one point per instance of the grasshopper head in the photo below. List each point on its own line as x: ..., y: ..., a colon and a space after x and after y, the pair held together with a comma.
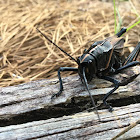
x: 88, y: 62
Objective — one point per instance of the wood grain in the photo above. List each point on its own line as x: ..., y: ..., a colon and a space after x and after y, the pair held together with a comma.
x: 30, y: 112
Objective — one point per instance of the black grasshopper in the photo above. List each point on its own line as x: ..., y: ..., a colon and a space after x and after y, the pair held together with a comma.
x: 101, y: 59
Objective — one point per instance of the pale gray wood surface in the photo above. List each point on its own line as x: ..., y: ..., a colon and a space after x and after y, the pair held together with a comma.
x: 36, y: 95
x: 28, y: 102
x: 79, y: 126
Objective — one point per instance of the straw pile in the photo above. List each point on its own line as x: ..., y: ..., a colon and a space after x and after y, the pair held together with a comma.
x: 25, y: 55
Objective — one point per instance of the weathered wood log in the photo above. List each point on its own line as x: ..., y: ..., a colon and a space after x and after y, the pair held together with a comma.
x: 32, y: 102
x: 36, y: 95
x: 79, y: 126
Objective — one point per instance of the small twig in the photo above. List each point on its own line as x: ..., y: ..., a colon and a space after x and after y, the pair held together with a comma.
x: 126, y: 129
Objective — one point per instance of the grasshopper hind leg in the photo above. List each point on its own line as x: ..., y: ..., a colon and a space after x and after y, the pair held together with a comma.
x: 133, y: 55
x: 129, y: 62
x: 131, y: 59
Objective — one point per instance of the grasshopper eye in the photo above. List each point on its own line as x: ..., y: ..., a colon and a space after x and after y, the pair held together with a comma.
x: 90, y: 61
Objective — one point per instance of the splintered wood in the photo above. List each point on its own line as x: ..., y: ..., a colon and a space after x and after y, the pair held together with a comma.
x: 80, y: 126
x: 27, y: 56
x: 31, y: 104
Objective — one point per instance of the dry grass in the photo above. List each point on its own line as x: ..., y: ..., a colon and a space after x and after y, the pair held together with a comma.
x: 27, y: 56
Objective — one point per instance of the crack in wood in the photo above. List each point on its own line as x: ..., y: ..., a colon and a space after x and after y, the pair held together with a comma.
x: 58, y: 111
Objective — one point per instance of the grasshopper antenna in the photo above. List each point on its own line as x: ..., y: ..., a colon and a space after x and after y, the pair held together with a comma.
x: 57, y: 46
x: 93, y: 102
